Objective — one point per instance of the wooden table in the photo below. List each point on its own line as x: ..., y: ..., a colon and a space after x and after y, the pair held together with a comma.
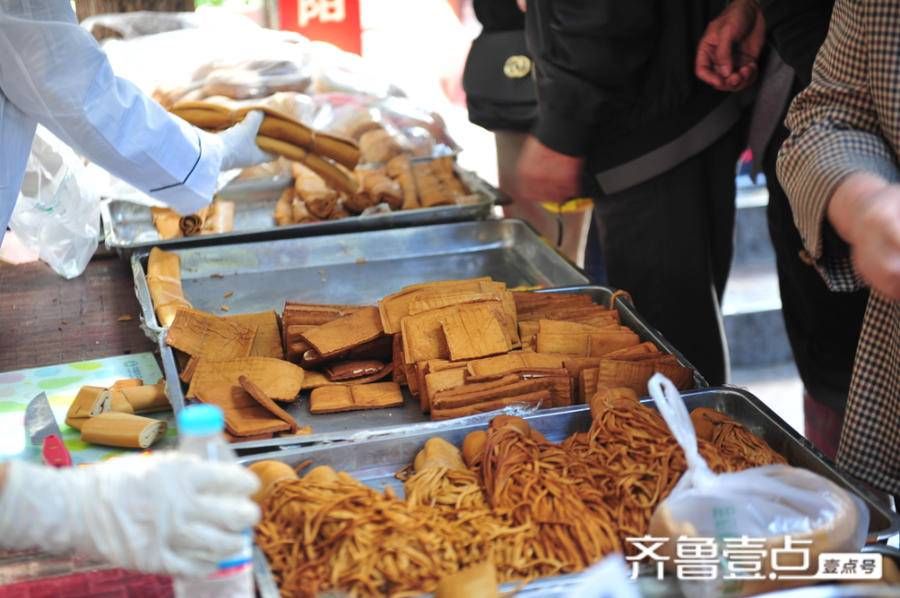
x: 46, y: 319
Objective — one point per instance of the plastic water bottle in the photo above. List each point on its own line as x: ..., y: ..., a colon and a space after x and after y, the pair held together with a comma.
x: 200, y: 430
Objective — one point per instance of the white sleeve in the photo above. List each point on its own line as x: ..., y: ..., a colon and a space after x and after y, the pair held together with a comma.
x: 54, y: 71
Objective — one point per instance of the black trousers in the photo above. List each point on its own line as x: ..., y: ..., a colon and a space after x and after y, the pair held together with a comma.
x: 669, y: 242
x: 823, y: 326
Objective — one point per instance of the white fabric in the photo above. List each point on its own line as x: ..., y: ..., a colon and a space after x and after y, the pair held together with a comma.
x: 166, y: 513
x: 53, y: 72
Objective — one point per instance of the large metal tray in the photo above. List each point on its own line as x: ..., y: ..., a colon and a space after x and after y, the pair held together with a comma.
x: 129, y: 226
x: 358, y: 268
x: 360, y: 425
x: 375, y: 461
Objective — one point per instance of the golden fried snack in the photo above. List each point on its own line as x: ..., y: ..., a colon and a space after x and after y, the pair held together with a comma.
x: 337, y: 398
x: 399, y: 169
x: 267, y: 342
x: 270, y: 473
x: 345, y: 333
x: 512, y: 362
x: 736, y: 444
x: 474, y: 330
x: 205, y: 335
x: 393, y: 308
x: 147, y: 398
x: 267, y: 403
x: 219, y: 218
x: 122, y: 430
x: 437, y: 452
x: 329, y: 171
x: 83, y: 405
x: 245, y: 418
x: 380, y: 188
x: 167, y: 222
x: 283, y: 208
x: 279, y: 379
x: 164, y: 282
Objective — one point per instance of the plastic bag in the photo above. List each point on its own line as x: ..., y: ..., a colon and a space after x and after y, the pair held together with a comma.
x: 419, y: 132
x: 773, y: 504
x: 58, y: 210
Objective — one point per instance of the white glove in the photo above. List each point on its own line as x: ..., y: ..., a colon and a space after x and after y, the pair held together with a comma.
x: 165, y: 513
x: 239, y: 149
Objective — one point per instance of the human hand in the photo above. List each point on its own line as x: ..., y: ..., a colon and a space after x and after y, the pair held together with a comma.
x: 729, y: 49
x: 865, y: 212
x: 165, y: 513
x: 543, y: 174
x: 239, y: 149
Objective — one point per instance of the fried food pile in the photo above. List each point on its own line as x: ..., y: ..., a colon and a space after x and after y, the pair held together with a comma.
x: 328, y: 183
x: 510, y: 497
x: 217, y: 217
x: 400, y: 184
x: 461, y: 347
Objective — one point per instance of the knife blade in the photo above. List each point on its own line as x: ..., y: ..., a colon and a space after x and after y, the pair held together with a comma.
x: 42, y: 430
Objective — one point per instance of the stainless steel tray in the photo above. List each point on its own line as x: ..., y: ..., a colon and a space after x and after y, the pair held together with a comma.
x: 129, y: 226
x: 375, y: 461
x: 358, y: 268
x: 362, y: 425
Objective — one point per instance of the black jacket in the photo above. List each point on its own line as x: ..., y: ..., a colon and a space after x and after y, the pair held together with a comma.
x: 616, y: 77
x: 499, y: 15
x: 797, y: 29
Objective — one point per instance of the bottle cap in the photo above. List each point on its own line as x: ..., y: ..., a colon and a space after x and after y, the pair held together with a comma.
x: 201, y: 420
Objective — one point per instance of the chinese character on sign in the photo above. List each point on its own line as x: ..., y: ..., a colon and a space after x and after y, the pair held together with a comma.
x: 744, y: 557
x: 831, y: 566
x: 326, y: 11
x: 646, y: 547
x: 844, y: 566
x: 696, y: 558
x: 868, y: 566
x: 792, y: 557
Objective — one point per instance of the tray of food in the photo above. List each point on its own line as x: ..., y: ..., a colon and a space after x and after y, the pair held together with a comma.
x: 357, y: 268
x: 410, y: 193
x: 368, y: 511
x: 424, y: 352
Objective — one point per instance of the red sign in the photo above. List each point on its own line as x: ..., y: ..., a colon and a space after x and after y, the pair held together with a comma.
x: 333, y: 21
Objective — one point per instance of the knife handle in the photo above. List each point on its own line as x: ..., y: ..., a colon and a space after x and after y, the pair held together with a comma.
x: 55, y: 452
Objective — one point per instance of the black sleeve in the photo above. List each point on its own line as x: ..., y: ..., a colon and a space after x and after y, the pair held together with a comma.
x: 499, y: 15
x: 797, y: 29
x: 589, y: 55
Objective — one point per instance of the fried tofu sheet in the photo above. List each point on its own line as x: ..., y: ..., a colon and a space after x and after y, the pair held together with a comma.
x: 345, y: 333
x: 267, y: 342
x: 280, y: 380
x: 164, y: 282
x: 474, y: 330
x: 338, y: 397
x: 204, y: 335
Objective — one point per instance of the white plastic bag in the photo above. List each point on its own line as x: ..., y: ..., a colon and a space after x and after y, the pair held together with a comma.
x: 769, y: 504
x: 58, y: 211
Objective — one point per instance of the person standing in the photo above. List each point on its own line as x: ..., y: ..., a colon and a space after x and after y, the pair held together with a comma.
x: 822, y: 327
x: 839, y: 169
x: 617, y: 94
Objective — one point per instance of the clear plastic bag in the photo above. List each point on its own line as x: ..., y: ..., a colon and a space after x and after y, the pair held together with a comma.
x: 771, y: 504
x: 58, y: 210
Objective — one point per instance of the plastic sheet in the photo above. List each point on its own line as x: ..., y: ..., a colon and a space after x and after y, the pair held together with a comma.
x: 58, y: 210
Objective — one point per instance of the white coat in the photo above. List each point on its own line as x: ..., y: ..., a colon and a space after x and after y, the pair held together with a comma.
x: 54, y: 73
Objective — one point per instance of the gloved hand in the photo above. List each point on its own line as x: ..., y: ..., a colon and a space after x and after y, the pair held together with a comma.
x: 239, y: 149
x: 165, y: 513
